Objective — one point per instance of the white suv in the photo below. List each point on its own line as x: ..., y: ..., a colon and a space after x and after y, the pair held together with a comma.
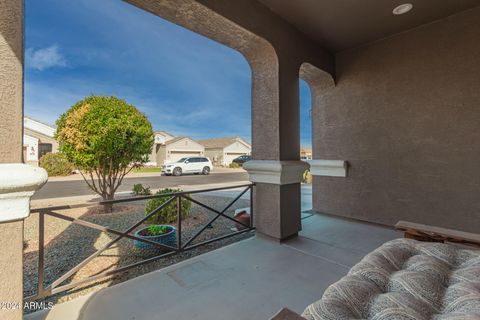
x: 195, y: 165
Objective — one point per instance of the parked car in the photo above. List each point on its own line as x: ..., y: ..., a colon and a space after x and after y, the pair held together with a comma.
x: 194, y: 165
x: 242, y: 159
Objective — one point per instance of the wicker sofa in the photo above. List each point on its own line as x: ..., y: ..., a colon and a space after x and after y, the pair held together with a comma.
x: 408, y: 279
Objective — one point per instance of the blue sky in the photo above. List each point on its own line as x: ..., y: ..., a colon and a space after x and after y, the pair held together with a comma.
x: 185, y: 83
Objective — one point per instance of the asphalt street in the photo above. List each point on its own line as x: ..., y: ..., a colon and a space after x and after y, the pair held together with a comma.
x: 70, y: 188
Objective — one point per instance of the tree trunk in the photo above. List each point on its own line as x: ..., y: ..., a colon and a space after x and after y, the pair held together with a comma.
x: 108, y: 207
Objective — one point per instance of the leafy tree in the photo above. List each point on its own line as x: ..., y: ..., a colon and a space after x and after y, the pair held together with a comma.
x: 105, y: 138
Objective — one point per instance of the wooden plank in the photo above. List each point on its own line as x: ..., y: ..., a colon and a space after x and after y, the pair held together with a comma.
x: 424, y: 232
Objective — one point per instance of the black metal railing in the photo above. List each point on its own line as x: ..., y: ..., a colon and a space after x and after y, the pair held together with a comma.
x: 56, y: 286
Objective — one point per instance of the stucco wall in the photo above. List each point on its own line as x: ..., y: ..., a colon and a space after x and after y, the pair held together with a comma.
x: 11, y: 94
x: 161, y: 155
x: 185, y: 145
x: 237, y: 147
x: 215, y: 155
x: 43, y: 138
x: 11, y: 77
x: 152, y: 158
x: 406, y: 115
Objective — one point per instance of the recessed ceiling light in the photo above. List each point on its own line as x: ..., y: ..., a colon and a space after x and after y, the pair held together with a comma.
x: 403, y: 8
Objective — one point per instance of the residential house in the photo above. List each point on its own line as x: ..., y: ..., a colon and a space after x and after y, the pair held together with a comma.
x: 305, y: 153
x: 168, y: 148
x: 222, y: 151
x: 177, y: 148
x: 37, y: 140
x: 395, y: 102
x: 160, y: 138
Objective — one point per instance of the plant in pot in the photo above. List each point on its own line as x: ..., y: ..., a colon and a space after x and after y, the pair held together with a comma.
x: 159, y: 227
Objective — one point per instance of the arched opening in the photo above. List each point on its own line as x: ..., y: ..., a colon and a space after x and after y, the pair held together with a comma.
x: 315, y: 84
x: 306, y: 145
x: 262, y: 59
x: 259, y: 53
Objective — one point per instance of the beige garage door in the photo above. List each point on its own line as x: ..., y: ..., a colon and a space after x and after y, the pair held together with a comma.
x: 177, y: 155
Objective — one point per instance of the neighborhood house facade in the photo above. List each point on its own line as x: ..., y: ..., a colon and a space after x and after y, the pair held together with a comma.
x: 168, y: 148
x: 161, y: 137
x: 306, y: 153
x: 222, y: 151
x: 37, y: 140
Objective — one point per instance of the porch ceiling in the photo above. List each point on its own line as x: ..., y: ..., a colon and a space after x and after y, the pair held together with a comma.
x: 339, y: 25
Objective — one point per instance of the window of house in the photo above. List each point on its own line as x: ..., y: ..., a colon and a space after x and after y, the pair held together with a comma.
x: 44, y: 148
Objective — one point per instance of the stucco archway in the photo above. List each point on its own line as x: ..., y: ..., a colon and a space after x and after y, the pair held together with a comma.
x: 320, y: 84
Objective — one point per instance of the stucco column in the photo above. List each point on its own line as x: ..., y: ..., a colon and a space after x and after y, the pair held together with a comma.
x: 18, y: 182
x: 275, y: 168
x: 11, y: 110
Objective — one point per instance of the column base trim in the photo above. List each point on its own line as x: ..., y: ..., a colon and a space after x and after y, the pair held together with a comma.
x: 275, y: 171
x: 18, y: 183
x: 328, y: 168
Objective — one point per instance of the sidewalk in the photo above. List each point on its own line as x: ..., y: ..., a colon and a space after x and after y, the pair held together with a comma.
x: 125, y: 194
x: 306, y: 190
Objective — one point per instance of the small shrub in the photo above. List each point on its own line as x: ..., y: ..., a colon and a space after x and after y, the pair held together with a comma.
x: 155, y: 230
x: 139, y: 190
x: 307, y: 176
x: 234, y: 165
x: 56, y: 164
x: 169, y: 213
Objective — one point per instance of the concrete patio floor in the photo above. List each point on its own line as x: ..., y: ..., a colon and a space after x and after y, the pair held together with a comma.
x: 251, y: 279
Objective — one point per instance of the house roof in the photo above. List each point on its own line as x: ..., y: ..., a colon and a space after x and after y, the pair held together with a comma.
x: 163, y: 132
x: 176, y: 139
x: 41, y: 122
x: 220, y: 142
x: 39, y: 127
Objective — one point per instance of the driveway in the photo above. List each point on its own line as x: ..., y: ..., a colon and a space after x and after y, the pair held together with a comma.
x: 71, y: 188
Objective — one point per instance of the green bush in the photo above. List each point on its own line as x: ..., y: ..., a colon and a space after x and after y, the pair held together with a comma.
x: 234, y: 165
x: 105, y: 138
x: 56, y: 164
x: 139, y: 190
x: 154, y: 230
x: 307, y: 176
x: 169, y: 213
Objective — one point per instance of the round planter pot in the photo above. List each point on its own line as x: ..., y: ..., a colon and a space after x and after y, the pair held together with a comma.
x: 169, y: 238
x: 243, y: 217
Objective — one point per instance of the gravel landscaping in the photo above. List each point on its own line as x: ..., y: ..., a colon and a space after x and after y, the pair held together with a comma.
x: 67, y: 244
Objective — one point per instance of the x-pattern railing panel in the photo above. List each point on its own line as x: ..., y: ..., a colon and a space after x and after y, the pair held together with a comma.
x: 218, y: 214
x: 56, y: 287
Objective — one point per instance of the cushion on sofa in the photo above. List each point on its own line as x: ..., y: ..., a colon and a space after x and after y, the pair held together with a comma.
x: 406, y: 279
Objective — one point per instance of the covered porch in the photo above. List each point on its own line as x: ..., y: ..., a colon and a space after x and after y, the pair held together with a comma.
x: 395, y: 137
x: 251, y: 279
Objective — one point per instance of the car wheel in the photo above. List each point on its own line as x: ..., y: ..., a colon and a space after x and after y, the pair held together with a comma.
x: 206, y: 170
x: 177, y: 171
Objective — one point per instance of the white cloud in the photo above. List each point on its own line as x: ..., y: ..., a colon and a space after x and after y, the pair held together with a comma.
x: 44, y: 58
